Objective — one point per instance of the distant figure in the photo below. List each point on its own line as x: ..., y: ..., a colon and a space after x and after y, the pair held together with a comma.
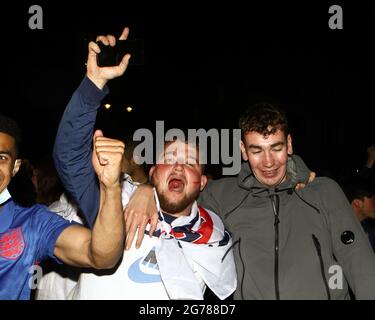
x: 21, y: 186
x: 130, y: 166
x: 361, y: 194
x: 367, y: 171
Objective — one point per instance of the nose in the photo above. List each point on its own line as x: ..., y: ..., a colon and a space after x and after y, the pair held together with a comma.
x: 179, y: 167
x: 268, y: 160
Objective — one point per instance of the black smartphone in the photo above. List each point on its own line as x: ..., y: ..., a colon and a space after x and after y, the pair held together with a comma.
x: 112, y: 56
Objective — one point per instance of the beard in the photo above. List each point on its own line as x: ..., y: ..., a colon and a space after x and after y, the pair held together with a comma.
x: 174, y: 207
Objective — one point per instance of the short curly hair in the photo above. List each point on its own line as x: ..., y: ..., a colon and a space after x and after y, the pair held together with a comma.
x: 263, y: 118
x: 10, y: 127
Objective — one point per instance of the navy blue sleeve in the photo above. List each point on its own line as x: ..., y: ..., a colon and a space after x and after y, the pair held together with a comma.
x: 72, y: 151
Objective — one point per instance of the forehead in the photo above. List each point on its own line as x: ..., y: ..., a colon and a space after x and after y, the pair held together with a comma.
x: 256, y: 138
x: 7, y: 143
x: 371, y: 198
x: 180, y: 148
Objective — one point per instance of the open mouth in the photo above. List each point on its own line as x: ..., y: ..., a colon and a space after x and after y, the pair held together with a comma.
x: 176, y: 184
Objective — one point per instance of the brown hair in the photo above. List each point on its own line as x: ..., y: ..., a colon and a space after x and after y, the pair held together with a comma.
x: 11, y: 128
x: 49, y: 186
x: 263, y: 118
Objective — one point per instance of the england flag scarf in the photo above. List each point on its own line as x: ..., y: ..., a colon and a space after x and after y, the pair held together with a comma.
x: 199, y: 244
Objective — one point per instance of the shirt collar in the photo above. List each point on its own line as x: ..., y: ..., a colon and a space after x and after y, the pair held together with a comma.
x: 6, y: 216
x: 128, y: 178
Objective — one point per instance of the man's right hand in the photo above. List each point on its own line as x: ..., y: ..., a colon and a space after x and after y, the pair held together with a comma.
x: 140, y: 211
x: 100, y: 75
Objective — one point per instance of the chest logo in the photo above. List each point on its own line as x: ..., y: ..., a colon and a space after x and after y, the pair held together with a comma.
x: 12, y: 244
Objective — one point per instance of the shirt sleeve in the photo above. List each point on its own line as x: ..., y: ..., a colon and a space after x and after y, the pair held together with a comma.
x: 49, y: 226
x: 72, y: 151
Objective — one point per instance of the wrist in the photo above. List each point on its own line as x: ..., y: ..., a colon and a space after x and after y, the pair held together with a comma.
x: 99, y: 82
x: 112, y: 189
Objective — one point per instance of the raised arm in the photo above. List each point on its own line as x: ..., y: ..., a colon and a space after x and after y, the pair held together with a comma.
x: 103, y: 246
x: 73, y: 149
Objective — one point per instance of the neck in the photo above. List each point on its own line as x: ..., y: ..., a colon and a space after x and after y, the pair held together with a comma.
x: 185, y: 212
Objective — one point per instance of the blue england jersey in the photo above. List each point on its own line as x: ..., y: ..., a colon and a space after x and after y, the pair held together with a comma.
x: 27, y: 236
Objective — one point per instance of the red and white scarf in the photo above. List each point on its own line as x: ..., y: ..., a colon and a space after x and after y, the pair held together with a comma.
x: 198, y: 244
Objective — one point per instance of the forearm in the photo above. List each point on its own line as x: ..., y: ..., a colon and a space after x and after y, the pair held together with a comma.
x: 108, y: 234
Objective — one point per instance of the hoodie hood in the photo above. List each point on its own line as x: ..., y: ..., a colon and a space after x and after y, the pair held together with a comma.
x: 297, y: 172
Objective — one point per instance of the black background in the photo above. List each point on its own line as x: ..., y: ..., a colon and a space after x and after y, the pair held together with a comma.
x: 205, y: 62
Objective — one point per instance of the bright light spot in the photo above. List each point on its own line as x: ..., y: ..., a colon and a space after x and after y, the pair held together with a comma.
x: 107, y: 106
x: 129, y: 109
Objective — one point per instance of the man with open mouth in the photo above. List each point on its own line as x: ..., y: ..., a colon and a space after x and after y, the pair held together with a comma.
x: 190, y: 248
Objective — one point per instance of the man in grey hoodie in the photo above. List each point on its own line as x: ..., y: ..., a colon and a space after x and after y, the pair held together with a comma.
x: 288, y: 243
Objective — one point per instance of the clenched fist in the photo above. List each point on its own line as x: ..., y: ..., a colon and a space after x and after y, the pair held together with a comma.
x: 107, y: 158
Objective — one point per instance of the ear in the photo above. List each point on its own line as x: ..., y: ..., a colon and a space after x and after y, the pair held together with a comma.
x: 357, y: 203
x: 16, y: 167
x: 203, y: 182
x: 289, y: 144
x: 151, y: 171
x: 243, y: 151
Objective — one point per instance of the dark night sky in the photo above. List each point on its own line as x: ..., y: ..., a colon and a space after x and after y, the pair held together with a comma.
x: 203, y: 66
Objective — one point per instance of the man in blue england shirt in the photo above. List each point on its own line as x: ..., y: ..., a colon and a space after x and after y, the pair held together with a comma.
x: 30, y: 235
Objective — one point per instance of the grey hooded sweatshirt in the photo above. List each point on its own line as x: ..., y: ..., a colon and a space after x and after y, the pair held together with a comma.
x: 293, y: 244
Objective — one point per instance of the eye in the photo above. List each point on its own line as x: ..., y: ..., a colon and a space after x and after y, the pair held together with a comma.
x: 169, y: 160
x: 192, y: 162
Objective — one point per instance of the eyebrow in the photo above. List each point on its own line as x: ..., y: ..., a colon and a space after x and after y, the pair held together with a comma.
x: 8, y: 152
x: 276, y: 144
x: 189, y: 158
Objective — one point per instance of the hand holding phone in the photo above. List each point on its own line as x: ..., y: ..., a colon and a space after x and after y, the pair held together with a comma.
x: 112, y: 56
x: 105, y: 53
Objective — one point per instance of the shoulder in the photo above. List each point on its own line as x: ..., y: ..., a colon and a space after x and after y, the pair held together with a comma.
x: 325, y: 186
x: 223, y: 184
x: 327, y: 192
x: 34, y: 210
x: 36, y: 214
